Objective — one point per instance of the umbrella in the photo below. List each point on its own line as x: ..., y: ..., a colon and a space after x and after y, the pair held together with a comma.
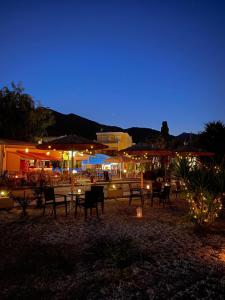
x: 73, y: 143
x: 145, y: 150
x: 188, y: 150
x: 142, y: 152
x: 117, y: 159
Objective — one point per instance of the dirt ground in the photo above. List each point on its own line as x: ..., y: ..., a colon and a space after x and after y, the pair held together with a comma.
x: 117, y: 256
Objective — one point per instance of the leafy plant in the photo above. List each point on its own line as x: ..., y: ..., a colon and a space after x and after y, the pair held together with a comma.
x: 205, y: 186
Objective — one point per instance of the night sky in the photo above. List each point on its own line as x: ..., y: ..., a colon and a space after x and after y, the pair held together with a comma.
x: 126, y: 63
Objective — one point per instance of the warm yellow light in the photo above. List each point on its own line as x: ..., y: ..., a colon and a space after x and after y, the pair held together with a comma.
x: 48, y: 153
x: 49, y: 147
x: 26, y: 150
x: 139, y: 212
x: 148, y: 186
x: 92, y: 147
x: 79, y: 191
x: 3, y: 193
x: 125, y: 171
x: 74, y: 171
x: 114, y: 187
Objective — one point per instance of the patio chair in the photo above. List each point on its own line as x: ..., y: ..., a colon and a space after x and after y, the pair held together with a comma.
x: 156, y: 191
x: 165, y: 195
x: 136, y: 193
x: 50, y: 198
x: 100, y: 190
x: 89, y: 202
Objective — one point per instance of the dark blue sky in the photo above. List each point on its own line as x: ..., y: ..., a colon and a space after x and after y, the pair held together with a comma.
x: 126, y: 63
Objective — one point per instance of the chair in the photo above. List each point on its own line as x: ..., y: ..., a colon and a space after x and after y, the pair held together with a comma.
x: 136, y: 193
x: 165, y: 195
x: 100, y: 190
x: 50, y: 198
x: 89, y: 202
x: 156, y: 191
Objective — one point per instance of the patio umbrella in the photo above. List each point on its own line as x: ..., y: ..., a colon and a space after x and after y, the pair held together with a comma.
x: 188, y: 150
x: 119, y: 160
x: 73, y: 143
x: 143, y: 151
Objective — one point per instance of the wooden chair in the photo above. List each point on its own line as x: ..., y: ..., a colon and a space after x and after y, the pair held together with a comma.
x: 89, y: 202
x: 100, y: 190
x: 50, y: 198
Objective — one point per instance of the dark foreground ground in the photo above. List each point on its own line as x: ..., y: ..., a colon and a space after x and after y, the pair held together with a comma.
x: 116, y: 257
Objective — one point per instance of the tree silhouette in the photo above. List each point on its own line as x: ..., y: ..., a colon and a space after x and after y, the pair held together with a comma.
x: 213, y: 139
x: 20, y: 118
x: 165, y: 134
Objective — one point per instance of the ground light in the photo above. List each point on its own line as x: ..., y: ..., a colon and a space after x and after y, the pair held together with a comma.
x: 139, y: 212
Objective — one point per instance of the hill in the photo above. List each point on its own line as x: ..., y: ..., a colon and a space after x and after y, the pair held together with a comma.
x: 74, y: 124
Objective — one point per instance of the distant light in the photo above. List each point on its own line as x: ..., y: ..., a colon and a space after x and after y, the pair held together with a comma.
x: 3, y: 193
x: 79, y: 191
x: 148, y: 186
x: 49, y: 147
x: 48, y: 153
x: 124, y: 171
x: 74, y: 171
x: 26, y: 150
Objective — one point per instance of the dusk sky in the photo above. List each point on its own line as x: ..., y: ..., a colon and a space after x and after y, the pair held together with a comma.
x: 126, y: 63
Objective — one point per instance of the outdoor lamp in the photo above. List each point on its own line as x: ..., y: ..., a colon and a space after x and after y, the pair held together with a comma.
x: 2, y: 193
x: 139, y: 212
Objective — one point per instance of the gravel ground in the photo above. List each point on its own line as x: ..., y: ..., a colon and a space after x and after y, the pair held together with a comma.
x: 117, y: 256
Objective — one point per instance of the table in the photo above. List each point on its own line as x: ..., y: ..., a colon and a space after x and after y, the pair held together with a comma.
x: 74, y: 194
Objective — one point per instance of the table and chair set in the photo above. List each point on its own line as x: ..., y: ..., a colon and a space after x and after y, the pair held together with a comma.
x: 92, y: 199
x: 87, y: 200
x: 158, y: 191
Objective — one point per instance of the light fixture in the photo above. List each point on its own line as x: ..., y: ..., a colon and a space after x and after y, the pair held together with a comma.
x: 139, y: 212
x: 26, y: 150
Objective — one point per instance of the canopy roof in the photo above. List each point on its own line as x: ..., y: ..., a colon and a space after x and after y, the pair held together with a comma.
x: 145, y: 150
x: 188, y: 150
x: 37, y: 155
x: 117, y: 159
x: 72, y: 142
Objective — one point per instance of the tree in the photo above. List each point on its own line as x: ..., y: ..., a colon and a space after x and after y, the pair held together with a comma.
x: 20, y: 118
x: 213, y: 139
x: 165, y: 134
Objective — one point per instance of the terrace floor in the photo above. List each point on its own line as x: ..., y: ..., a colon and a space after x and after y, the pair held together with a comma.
x: 115, y: 257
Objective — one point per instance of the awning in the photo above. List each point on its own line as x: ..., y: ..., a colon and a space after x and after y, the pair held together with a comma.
x: 36, y: 156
